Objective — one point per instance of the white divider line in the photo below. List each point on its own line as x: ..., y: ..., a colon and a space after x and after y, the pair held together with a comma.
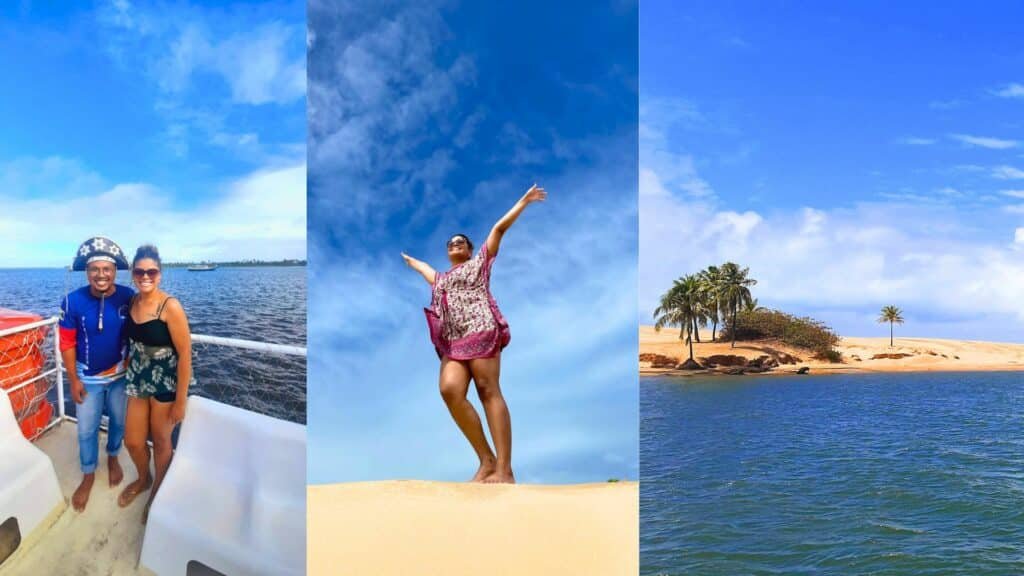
x: 250, y: 344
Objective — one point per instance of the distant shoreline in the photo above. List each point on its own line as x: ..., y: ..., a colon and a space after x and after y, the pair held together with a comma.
x: 860, y: 356
x: 277, y: 263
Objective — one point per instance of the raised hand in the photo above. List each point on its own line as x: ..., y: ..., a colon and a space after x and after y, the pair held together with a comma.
x: 535, y: 194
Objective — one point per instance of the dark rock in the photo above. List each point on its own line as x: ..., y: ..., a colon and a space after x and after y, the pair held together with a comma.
x: 690, y: 364
x: 891, y: 356
x: 725, y: 360
x: 658, y: 360
x: 788, y: 358
x: 803, y: 370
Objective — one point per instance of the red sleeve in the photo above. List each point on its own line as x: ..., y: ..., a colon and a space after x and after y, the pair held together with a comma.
x: 68, y: 338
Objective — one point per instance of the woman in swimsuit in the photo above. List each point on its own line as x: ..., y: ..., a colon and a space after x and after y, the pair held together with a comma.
x: 159, y: 373
x: 469, y: 332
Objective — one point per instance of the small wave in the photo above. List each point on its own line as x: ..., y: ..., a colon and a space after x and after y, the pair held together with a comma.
x: 891, y: 527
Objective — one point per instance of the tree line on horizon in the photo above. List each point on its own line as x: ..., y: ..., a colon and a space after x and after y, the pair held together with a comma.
x: 240, y: 263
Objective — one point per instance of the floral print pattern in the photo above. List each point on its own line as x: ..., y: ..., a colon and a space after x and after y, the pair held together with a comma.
x: 152, y: 370
x: 463, y: 318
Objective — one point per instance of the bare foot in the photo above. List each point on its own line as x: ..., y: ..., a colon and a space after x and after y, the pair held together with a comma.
x: 81, y: 495
x: 501, y: 477
x: 132, y: 491
x: 114, y: 470
x: 486, y: 468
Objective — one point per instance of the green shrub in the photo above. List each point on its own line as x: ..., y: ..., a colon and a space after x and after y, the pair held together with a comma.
x: 801, y: 332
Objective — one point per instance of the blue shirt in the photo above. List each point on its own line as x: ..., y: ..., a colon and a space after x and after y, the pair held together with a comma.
x: 100, y: 355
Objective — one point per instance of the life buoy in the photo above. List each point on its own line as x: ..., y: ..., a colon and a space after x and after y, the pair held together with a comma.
x: 22, y: 359
x: 34, y: 423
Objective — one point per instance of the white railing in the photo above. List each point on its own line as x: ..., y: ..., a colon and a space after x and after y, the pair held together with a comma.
x: 58, y: 369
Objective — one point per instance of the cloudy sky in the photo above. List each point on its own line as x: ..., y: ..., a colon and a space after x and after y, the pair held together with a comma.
x: 428, y: 119
x: 852, y: 157
x: 177, y: 123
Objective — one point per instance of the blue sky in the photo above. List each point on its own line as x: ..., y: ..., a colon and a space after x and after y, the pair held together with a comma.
x: 432, y: 118
x: 179, y: 123
x: 853, y: 156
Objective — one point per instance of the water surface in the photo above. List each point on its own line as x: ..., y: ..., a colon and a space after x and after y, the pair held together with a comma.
x: 841, y: 474
x: 267, y: 304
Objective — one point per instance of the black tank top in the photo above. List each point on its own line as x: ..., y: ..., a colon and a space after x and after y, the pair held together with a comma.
x: 153, y: 332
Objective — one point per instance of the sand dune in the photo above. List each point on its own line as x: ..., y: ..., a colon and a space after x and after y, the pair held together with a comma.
x: 451, y: 529
x: 859, y: 354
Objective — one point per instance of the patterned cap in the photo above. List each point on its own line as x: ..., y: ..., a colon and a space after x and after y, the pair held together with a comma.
x: 99, y: 248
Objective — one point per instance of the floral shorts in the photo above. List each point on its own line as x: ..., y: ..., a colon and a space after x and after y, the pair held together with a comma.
x: 152, y: 371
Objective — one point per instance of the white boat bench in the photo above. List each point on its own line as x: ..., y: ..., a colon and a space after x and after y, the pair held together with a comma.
x: 30, y: 497
x: 234, y: 499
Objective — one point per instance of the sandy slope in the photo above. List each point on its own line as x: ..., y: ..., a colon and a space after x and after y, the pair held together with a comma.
x: 923, y: 354
x: 451, y: 529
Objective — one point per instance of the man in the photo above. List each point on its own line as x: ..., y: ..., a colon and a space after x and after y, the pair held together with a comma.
x: 94, y: 350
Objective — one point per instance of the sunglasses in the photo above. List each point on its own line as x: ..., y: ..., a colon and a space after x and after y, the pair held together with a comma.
x: 457, y: 242
x: 151, y: 272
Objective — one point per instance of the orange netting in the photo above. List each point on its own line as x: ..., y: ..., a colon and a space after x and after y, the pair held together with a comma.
x: 25, y: 355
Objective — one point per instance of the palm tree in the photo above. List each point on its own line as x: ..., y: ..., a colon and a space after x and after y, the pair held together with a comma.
x: 709, y: 285
x: 680, y: 307
x: 735, y: 290
x: 892, y: 315
x: 753, y: 306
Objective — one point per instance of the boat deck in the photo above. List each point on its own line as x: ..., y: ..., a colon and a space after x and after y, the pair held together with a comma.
x: 103, y: 539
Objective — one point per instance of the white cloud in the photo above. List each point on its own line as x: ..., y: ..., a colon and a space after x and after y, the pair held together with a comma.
x: 664, y: 171
x: 1013, y: 193
x: 839, y: 258
x: 373, y: 88
x: 386, y: 129
x: 256, y: 64
x: 985, y: 142
x: 1013, y: 90
x: 383, y: 321
x: 1007, y: 173
x: 915, y: 141
x: 923, y: 251
x: 261, y: 215
x: 259, y: 61
x: 123, y: 14
x: 54, y: 176
x: 209, y: 68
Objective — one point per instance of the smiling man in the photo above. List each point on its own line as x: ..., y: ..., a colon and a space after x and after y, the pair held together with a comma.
x: 93, y: 349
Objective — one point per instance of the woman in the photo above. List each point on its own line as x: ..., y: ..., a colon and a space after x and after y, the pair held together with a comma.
x: 159, y: 374
x: 469, y: 332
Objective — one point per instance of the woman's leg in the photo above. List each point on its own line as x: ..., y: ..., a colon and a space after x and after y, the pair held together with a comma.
x: 136, y: 432
x: 486, y: 372
x: 454, y: 383
x: 160, y: 429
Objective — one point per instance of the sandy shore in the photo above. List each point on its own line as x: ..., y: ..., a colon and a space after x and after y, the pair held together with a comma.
x: 859, y: 354
x: 425, y: 528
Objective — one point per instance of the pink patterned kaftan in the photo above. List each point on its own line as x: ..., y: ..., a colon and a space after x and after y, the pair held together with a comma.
x: 463, y: 317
